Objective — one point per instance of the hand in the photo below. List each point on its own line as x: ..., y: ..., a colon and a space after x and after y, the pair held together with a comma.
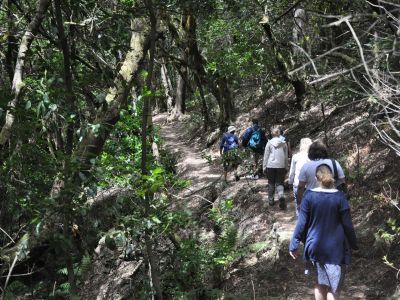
x: 294, y: 254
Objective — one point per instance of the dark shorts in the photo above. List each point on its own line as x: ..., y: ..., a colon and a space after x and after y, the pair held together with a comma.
x: 276, y: 175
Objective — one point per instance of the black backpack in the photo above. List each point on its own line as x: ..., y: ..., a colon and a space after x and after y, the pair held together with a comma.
x: 341, y: 187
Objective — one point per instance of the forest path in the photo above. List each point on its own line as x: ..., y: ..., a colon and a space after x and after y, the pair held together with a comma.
x: 190, y: 163
x: 262, y: 274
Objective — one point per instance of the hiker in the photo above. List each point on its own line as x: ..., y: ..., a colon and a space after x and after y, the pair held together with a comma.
x: 298, y: 160
x: 254, y: 138
x: 229, y: 152
x: 275, y: 165
x: 325, y: 227
x: 318, y: 154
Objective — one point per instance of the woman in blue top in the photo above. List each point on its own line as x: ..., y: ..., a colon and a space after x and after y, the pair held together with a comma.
x: 325, y: 227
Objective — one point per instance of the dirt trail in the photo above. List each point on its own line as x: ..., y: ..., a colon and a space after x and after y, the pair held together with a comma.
x: 269, y: 272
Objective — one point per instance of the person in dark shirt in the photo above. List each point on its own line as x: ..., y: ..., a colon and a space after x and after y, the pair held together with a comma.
x: 254, y: 139
x: 228, y: 150
x: 325, y: 227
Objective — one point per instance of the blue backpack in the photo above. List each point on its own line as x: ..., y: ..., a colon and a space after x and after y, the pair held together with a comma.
x: 231, y: 143
x: 255, y: 140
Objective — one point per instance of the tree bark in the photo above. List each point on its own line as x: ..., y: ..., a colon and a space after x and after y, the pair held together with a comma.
x: 69, y: 93
x: 217, y: 84
x: 70, y: 105
x: 17, y: 86
x: 146, y: 133
x: 11, y: 41
x: 168, y: 90
x: 181, y: 88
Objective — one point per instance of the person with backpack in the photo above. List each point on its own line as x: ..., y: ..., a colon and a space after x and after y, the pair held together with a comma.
x: 325, y: 227
x: 297, y: 162
x: 229, y: 151
x: 275, y: 165
x: 254, y: 139
x: 318, y: 154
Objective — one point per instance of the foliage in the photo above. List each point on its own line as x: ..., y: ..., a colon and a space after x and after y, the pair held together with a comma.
x: 241, y: 56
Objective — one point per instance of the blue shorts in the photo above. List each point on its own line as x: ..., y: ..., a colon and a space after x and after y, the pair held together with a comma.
x: 330, y: 275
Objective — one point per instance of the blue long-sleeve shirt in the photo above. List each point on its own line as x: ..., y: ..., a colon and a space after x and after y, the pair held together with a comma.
x: 325, y: 225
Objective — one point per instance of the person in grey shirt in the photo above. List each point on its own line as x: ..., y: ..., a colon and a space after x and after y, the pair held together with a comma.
x: 275, y: 166
x: 318, y: 155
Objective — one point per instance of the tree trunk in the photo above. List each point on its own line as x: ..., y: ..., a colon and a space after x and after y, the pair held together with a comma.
x: 168, y: 91
x: 17, y: 86
x: 69, y: 93
x: 70, y: 105
x: 204, y: 108
x: 181, y: 85
x: 216, y: 83
x: 146, y: 132
x: 11, y: 41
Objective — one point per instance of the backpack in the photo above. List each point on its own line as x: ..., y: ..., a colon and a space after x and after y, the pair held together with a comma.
x: 255, y: 140
x: 231, y: 143
x: 342, y: 187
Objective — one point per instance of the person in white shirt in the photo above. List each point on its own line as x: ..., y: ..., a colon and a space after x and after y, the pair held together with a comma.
x: 298, y: 160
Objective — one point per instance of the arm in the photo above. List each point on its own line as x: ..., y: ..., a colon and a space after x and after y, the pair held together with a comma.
x: 286, y: 157
x: 292, y: 170
x: 347, y: 224
x: 246, y: 137
x: 221, y: 145
x: 300, y: 192
x: 300, y: 229
x: 340, y: 173
x: 265, y: 159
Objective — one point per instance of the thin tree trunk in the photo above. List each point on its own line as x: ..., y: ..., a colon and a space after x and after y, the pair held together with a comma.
x: 17, y: 86
x: 70, y: 105
x: 204, y: 108
x: 181, y: 87
x: 216, y: 83
x: 167, y: 87
x: 70, y: 97
x: 11, y: 41
x: 146, y: 132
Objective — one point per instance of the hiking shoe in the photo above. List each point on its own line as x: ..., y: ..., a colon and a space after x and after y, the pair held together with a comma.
x: 282, y: 203
x: 255, y: 177
x: 237, y: 177
x: 271, y: 202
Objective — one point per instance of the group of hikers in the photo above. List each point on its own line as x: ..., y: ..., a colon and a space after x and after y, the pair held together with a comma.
x: 324, y: 223
x: 275, y: 153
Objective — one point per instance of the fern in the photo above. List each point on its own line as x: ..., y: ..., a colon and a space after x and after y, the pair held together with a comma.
x: 86, y: 263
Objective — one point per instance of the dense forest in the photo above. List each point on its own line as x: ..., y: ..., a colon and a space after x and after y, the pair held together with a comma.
x: 101, y: 101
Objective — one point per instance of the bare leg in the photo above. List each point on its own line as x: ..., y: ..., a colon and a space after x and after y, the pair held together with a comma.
x: 256, y: 160
x: 225, y: 176
x: 320, y: 292
x: 331, y: 296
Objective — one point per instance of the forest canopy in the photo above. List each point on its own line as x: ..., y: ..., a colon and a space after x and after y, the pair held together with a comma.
x: 80, y: 82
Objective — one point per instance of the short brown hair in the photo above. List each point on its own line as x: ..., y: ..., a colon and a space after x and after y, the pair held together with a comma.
x: 318, y: 150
